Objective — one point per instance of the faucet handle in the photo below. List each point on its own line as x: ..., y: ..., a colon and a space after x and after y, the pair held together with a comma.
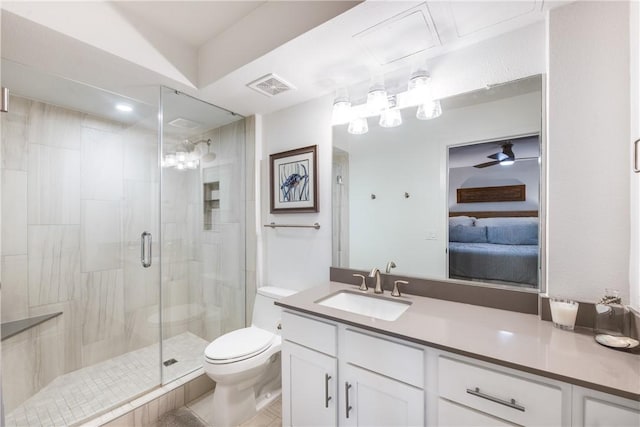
x: 396, y: 290
x: 363, y: 285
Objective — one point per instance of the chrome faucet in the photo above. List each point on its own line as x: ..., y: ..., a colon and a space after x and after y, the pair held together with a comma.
x: 390, y: 265
x: 376, y: 273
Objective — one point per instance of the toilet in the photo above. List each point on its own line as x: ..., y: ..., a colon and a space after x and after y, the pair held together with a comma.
x: 245, y: 363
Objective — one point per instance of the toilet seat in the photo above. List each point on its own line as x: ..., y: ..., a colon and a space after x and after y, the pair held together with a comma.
x: 238, y: 345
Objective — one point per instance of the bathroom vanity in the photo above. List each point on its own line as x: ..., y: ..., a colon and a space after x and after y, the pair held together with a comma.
x: 444, y: 363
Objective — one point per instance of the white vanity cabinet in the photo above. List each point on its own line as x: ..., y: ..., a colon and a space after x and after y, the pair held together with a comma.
x: 372, y: 382
x: 491, y: 395
x: 308, y: 386
x: 339, y: 375
x: 375, y: 400
x: 309, y: 372
x: 596, y: 409
x: 382, y: 380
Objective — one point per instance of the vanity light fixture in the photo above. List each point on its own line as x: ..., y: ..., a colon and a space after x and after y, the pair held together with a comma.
x: 387, y: 106
x: 358, y: 126
x: 341, y: 111
x: 390, y: 118
x: 429, y: 110
x: 419, y: 88
x: 377, y: 99
x: 188, y: 155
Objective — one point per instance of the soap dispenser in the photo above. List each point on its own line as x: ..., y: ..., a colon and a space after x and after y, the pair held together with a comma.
x: 613, y: 322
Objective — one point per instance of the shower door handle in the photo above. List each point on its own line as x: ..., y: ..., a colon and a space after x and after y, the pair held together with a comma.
x: 145, y: 249
x: 636, y: 168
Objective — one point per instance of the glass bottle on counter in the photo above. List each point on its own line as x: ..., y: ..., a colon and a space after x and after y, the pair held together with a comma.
x: 611, y: 316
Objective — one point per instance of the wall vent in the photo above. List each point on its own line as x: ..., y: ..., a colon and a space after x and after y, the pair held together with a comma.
x: 270, y: 85
x: 184, y: 123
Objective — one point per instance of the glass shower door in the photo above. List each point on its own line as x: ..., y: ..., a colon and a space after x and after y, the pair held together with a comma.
x: 203, y: 250
x: 80, y: 184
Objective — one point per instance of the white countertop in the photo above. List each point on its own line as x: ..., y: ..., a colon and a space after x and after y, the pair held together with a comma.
x: 516, y: 340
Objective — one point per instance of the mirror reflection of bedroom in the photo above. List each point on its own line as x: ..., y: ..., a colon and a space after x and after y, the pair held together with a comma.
x: 494, y: 198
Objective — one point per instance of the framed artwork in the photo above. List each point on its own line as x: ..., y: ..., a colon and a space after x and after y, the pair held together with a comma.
x: 504, y: 193
x: 294, y: 180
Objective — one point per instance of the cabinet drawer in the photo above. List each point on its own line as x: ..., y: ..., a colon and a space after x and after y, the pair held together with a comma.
x: 310, y: 333
x: 502, y: 395
x: 389, y: 358
x: 453, y: 415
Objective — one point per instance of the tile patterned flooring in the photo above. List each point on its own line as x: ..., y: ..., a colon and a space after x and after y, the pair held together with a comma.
x: 81, y: 394
x: 195, y: 413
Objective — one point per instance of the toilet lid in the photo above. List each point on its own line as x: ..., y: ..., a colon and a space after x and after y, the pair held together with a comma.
x: 241, y: 343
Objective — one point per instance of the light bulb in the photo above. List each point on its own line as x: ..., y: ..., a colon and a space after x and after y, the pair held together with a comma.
x: 191, y: 164
x: 390, y: 118
x: 507, y: 162
x: 341, y: 111
x: 181, y: 156
x: 377, y: 99
x: 419, y: 88
x: 169, y: 160
x: 358, y: 126
x: 429, y: 111
x: 125, y: 108
x: 180, y: 166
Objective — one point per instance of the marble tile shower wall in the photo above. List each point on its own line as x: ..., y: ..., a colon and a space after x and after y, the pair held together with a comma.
x: 204, y: 270
x: 76, y: 194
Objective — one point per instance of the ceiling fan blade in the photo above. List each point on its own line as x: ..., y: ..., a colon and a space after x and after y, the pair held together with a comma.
x: 484, y: 165
x: 498, y: 156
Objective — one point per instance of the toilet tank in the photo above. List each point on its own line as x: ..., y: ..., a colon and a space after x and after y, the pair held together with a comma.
x: 266, y: 314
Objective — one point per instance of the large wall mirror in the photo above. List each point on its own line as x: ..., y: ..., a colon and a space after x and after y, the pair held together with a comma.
x: 455, y: 198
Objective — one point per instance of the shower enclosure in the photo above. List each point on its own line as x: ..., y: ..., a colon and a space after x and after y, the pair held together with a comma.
x: 122, y: 251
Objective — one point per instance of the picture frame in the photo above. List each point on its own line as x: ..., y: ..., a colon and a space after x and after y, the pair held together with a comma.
x: 503, y: 193
x: 293, y: 179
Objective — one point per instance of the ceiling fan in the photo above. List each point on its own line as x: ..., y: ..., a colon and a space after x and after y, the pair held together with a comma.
x: 504, y: 157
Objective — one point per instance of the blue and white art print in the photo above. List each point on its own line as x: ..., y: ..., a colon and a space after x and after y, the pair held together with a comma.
x: 293, y: 181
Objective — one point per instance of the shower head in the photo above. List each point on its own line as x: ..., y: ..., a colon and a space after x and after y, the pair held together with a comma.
x: 208, y: 156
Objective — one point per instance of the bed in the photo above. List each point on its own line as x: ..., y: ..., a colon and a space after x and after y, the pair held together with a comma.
x: 495, y: 248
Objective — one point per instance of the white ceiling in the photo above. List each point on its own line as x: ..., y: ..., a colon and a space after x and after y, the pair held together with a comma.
x: 193, y: 22
x: 332, y: 55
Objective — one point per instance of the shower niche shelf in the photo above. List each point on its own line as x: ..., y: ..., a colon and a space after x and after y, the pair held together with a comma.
x: 211, y: 198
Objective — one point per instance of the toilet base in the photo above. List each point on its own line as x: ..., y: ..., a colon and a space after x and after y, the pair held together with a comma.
x: 235, y: 403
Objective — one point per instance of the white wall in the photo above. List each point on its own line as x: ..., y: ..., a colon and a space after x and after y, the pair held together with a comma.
x: 412, y: 158
x: 297, y: 258
x: 588, y: 134
x: 300, y: 258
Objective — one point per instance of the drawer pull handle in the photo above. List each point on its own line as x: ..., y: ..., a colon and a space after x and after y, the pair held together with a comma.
x: 510, y: 403
x: 327, y: 398
x: 348, y: 408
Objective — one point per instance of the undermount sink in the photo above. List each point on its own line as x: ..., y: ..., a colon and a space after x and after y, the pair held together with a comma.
x: 365, y: 304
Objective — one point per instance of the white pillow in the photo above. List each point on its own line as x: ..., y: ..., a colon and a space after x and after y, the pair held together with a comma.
x: 461, y: 220
x: 497, y: 222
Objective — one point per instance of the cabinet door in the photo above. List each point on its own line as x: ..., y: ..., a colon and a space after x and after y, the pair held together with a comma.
x: 453, y: 415
x: 309, y: 387
x: 603, y: 414
x: 370, y: 400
